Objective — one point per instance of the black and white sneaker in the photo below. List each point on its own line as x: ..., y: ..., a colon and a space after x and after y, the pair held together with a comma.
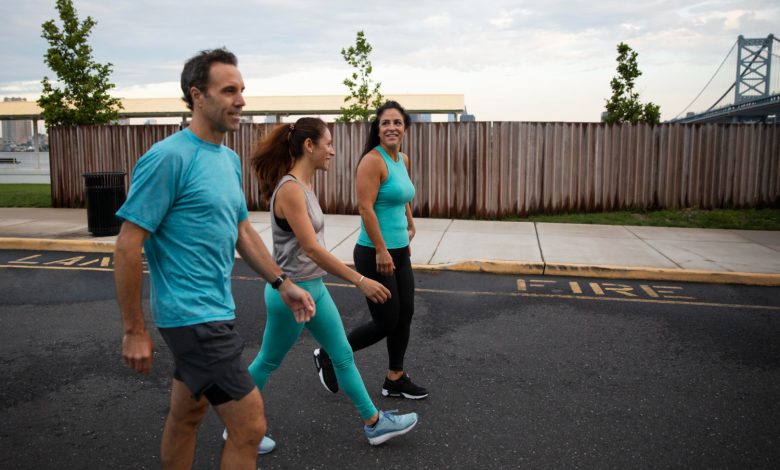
x: 404, y: 388
x: 325, y: 371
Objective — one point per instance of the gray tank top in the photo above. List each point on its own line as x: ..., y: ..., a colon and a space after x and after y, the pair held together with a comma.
x: 288, y: 253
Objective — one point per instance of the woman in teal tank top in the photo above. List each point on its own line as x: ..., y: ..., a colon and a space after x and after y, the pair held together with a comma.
x: 384, y: 192
x: 285, y: 163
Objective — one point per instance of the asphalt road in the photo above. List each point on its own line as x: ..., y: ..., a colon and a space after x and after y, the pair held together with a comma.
x: 524, y: 372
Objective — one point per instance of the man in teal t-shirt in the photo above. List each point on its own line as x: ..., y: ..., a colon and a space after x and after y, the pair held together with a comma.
x: 186, y: 209
x: 187, y: 192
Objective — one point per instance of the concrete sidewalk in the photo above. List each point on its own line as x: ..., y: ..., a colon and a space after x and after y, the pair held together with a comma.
x: 529, y: 248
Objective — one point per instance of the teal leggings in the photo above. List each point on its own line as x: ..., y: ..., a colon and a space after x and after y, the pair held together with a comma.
x: 281, y: 332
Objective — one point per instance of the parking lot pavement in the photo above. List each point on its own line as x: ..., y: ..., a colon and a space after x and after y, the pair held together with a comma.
x: 525, y: 372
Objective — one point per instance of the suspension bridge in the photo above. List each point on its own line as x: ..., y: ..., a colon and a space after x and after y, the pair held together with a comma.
x: 744, y: 88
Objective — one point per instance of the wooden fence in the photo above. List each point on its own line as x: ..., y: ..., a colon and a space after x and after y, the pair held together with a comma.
x: 495, y: 169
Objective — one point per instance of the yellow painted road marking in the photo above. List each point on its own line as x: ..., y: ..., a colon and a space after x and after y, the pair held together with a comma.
x: 27, y: 260
x: 58, y: 268
x: 596, y: 288
x: 650, y: 291
x: 621, y: 289
x: 600, y: 295
x: 575, y: 297
x: 66, y: 261
x: 104, y: 262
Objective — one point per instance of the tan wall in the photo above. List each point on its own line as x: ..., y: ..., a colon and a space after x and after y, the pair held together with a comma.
x: 495, y: 169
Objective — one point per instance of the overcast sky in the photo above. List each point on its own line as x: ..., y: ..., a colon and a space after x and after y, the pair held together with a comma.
x: 547, y: 60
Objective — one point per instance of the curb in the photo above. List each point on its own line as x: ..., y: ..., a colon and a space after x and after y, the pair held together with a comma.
x: 486, y: 266
x: 662, y: 274
x: 42, y: 244
x: 607, y: 272
x: 474, y: 266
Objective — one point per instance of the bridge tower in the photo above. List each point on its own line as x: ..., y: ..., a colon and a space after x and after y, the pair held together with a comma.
x: 754, y: 58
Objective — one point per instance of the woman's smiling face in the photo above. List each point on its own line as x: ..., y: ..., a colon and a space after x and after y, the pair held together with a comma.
x: 391, y: 128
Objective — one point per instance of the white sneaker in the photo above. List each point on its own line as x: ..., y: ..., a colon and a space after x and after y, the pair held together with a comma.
x: 266, y: 445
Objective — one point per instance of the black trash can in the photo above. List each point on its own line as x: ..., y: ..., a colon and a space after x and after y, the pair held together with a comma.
x: 105, y: 193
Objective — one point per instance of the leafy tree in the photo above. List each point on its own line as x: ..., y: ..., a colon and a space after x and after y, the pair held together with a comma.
x: 624, y: 105
x: 81, y: 94
x: 362, y: 99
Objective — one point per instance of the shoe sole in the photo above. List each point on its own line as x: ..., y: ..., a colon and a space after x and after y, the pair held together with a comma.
x: 386, y: 437
x: 320, y: 372
x: 387, y: 393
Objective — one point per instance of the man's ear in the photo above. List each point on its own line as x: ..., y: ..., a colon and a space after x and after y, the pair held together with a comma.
x: 196, y: 94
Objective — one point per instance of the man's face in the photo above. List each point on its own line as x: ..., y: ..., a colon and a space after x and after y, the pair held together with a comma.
x: 222, y: 101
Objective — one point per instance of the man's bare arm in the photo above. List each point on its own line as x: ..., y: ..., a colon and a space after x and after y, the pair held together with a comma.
x: 137, y: 345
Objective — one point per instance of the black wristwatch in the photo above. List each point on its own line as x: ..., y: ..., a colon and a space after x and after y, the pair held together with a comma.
x: 279, y: 281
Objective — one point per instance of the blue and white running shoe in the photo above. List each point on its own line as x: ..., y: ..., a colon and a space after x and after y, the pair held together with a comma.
x: 389, y: 426
x: 266, y: 445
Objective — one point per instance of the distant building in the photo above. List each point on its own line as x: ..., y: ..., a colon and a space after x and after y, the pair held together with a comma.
x: 17, y: 132
x: 466, y: 117
x: 421, y: 117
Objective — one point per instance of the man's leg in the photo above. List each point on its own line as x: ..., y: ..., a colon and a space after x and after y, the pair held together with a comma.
x: 181, y: 426
x: 245, y: 422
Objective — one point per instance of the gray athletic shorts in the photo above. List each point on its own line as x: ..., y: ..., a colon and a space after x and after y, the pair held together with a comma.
x: 208, y: 360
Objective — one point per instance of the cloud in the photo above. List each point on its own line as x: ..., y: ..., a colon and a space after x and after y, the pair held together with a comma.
x: 503, y: 21
x: 558, y: 52
x: 28, y: 89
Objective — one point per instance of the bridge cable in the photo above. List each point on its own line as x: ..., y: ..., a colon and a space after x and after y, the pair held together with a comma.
x: 710, y: 81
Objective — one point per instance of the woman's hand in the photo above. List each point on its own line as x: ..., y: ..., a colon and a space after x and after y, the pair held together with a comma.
x: 375, y: 291
x: 412, y: 232
x: 384, y: 263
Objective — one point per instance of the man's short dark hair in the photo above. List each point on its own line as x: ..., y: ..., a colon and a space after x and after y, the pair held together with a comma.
x: 196, y: 70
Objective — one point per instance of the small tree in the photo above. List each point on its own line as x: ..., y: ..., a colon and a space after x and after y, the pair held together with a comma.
x: 83, y: 97
x: 362, y: 99
x: 624, y: 105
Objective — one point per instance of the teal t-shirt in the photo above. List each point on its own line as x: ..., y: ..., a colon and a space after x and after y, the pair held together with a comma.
x: 390, y: 205
x: 187, y: 193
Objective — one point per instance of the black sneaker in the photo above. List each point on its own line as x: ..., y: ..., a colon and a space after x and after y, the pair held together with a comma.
x: 403, y: 387
x: 325, y: 371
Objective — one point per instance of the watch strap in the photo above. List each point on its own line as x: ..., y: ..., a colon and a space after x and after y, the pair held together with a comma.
x: 279, y: 281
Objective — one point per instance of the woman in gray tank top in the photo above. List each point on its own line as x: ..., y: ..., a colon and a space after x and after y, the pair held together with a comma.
x: 285, y: 163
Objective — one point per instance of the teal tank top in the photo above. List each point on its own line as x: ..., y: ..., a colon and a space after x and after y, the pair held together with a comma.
x: 390, y: 205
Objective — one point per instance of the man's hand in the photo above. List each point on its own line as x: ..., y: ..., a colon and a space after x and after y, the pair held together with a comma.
x: 137, y: 349
x: 299, y: 301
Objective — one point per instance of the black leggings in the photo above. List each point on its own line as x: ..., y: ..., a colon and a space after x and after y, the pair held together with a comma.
x: 393, y: 318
